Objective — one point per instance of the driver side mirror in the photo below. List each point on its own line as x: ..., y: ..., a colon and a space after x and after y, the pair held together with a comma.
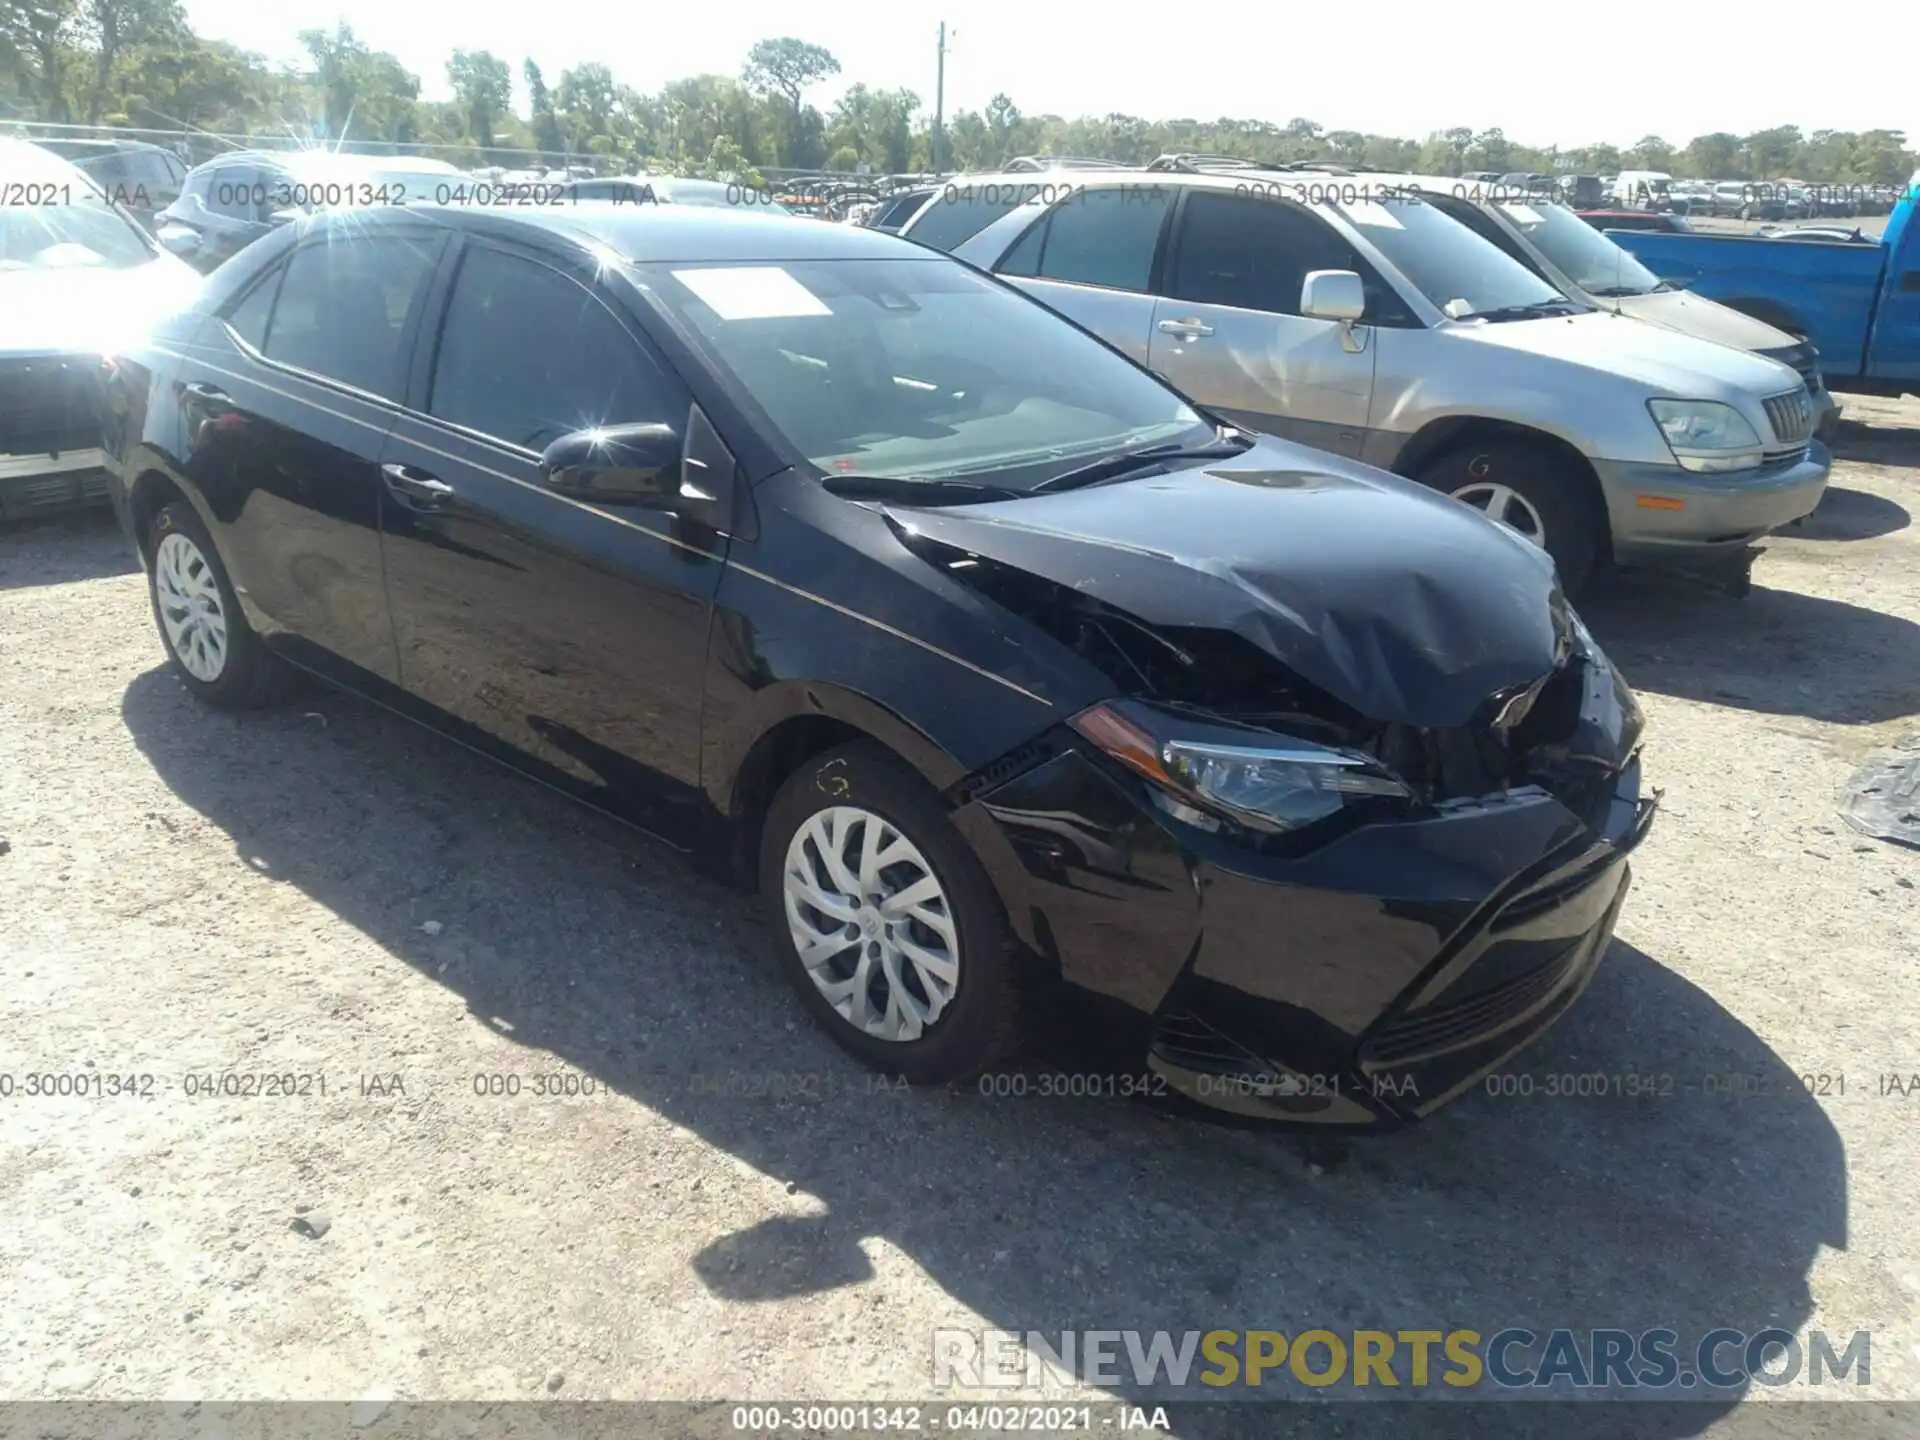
x: 1333, y: 295
x: 179, y: 240
x: 628, y: 465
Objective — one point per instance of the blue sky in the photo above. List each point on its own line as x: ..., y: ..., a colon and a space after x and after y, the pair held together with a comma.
x: 1546, y: 74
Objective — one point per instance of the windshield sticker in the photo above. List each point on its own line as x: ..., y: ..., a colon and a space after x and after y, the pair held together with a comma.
x: 752, y: 292
x: 1372, y: 212
x: 1524, y: 215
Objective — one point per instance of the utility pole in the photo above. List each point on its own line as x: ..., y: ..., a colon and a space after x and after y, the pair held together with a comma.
x: 940, y: 101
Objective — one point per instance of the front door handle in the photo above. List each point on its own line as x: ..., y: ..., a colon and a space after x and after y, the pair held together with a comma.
x: 1186, y: 329
x: 199, y: 391
x: 407, y: 483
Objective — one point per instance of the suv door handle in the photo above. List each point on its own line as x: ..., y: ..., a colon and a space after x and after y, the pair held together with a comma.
x: 201, y: 391
x: 1188, y: 329
x: 407, y: 483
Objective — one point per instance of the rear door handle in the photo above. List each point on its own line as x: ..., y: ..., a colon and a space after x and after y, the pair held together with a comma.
x: 1189, y: 329
x: 200, y: 391
x: 410, y: 484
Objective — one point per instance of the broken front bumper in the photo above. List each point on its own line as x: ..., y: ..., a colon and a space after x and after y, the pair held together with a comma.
x: 1365, y: 982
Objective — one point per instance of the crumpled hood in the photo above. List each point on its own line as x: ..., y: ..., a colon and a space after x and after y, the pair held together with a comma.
x: 1407, y: 605
x: 1701, y: 318
x: 89, y: 309
x: 1669, y: 362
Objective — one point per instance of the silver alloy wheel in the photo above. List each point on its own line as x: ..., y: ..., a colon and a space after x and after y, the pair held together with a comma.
x: 871, y: 922
x: 1508, y: 506
x: 190, y: 608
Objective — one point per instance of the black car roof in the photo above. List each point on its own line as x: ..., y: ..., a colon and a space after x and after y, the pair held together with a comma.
x: 648, y: 233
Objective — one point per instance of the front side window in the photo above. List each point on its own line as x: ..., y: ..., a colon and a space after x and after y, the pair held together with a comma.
x: 1252, y: 253
x: 344, y: 304
x: 1105, y: 237
x: 919, y: 369
x: 527, y: 355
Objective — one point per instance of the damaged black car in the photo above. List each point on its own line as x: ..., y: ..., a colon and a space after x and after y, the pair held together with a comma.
x: 997, y: 667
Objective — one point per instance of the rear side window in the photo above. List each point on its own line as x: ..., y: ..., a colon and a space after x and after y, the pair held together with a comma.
x: 527, y: 355
x: 962, y: 211
x: 344, y: 306
x: 1103, y: 237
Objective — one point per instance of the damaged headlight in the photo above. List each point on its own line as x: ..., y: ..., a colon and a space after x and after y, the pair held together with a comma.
x: 1269, y: 783
x: 1705, y: 435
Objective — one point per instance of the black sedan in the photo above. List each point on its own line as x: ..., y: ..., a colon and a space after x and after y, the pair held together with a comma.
x: 999, y: 669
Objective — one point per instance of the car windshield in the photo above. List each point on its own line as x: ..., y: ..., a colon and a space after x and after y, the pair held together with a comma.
x: 54, y: 218
x: 1578, y: 251
x: 1460, y: 273
x: 920, y: 370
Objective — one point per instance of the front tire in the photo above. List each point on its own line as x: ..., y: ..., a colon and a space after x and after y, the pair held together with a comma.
x: 1532, y: 490
x: 213, y: 650
x: 885, y: 922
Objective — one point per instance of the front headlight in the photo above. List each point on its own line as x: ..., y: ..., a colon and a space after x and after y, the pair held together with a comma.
x: 1271, y: 783
x: 1705, y: 435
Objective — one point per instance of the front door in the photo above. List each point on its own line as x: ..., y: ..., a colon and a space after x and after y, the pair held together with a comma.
x: 1228, y: 329
x: 573, y: 634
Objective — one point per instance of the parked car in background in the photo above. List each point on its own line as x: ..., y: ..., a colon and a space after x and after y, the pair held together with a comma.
x: 234, y: 199
x: 1635, y: 220
x: 143, y: 179
x: 997, y: 666
x: 1389, y: 332
x: 1643, y: 189
x: 670, y: 190
x: 1858, y: 303
x: 892, y: 212
x: 77, y: 278
x: 1579, y: 261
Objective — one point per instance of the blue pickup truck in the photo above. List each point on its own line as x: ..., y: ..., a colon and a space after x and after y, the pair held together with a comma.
x: 1859, y: 303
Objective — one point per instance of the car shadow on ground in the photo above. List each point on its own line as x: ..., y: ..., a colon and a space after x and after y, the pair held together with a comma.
x: 1688, y: 1208
x: 86, y: 545
x: 1778, y: 652
x: 1845, y: 514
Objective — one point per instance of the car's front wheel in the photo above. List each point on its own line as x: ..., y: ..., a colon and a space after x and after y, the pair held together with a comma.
x: 1529, y: 488
x: 885, y: 921
x: 207, y: 638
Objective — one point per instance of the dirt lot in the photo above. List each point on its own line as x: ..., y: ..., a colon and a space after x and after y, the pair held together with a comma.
x: 326, y: 891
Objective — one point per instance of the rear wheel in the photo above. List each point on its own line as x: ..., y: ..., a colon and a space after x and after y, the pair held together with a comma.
x: 213, y: 649
x: 1533, y: 491
x: 885, y: 922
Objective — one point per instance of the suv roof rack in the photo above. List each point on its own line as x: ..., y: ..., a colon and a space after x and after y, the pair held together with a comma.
x: 1025, y: 163
x: 1194, y: 163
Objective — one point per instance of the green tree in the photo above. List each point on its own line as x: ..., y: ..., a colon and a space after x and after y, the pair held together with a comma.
x: 788, y: 67
x: 546, y: 126
x: 1652, y: 153
x: 1772, y: 153
x: 37, y: 39
x: 483, y: 89
x: 1712, y: 157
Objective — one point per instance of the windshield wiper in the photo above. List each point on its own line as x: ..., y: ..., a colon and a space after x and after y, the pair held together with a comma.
x: 917, y: 492
x: 1539, y: 309
x: 1619, y: 292
x: 1113, y: 467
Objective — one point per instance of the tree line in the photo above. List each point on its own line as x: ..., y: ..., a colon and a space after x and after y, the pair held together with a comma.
x: 138, y: 63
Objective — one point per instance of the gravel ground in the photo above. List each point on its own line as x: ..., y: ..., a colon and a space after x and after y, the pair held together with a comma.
x: 733, y: 1212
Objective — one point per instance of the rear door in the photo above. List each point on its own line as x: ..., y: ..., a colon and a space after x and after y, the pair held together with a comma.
x: 1092, y: 257
x: 574, y: 634
x: 1229, y: 331
x: 287, y: 402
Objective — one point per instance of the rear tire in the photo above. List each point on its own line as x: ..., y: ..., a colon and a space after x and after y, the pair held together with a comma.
x: 1534, y: 490
x: 213, y: 650
x: 942, y: 974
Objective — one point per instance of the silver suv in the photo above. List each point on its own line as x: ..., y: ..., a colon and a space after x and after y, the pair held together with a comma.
x: 1367, y: 322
